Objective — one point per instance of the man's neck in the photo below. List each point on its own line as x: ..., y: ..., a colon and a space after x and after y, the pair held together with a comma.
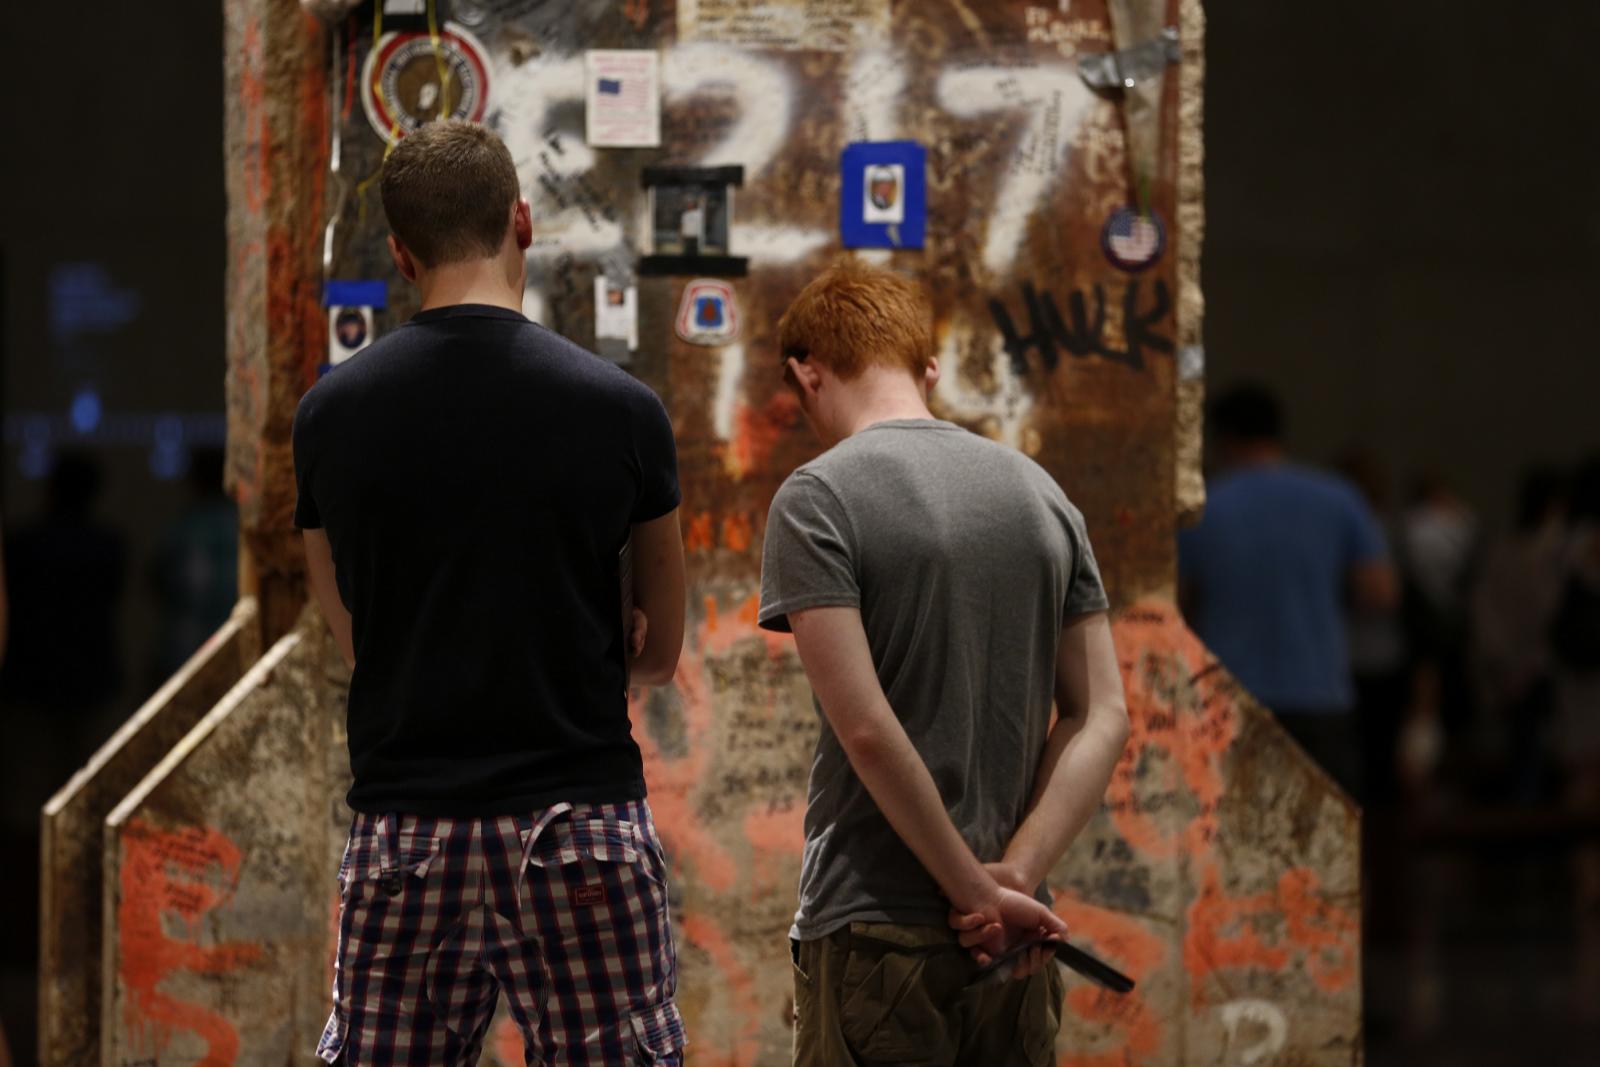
x: 881, y: 395
x: 1243, y: 455
x: 480, y: 281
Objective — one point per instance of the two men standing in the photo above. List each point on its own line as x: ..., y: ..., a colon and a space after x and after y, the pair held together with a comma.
x: 466, y: 486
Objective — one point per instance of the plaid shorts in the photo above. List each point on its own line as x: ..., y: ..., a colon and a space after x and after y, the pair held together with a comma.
x: 565, y: 911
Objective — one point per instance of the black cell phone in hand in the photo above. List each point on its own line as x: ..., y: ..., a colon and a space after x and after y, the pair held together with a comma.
x: 1091, y: 967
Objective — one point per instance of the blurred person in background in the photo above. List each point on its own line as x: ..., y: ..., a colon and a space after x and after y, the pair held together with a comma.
x: 1512, y: 607
x: 65, y: 574
x: 1266, y: 576
x: 1575, y: 641
x: 1379, y: 657
x: 1437, y: 555
x: 195, y: 572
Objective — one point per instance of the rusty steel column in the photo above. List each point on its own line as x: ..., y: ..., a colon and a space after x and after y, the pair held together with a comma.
x: 275, y: 158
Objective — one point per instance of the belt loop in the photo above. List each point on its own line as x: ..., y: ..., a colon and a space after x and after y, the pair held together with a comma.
x: 391, y: 841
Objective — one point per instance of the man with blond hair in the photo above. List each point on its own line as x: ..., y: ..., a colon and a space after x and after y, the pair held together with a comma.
x: 467, y: 486
x: 941, y: 591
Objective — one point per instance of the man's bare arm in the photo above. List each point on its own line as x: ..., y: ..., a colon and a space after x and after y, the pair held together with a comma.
x: 838, y: 662
x: 319, y: 567
x: 658, y: 592
x: 1081, y: 752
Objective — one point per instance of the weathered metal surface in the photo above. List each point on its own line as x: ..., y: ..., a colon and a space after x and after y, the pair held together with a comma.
x: 70, y: 834
x: 1223, y: 874
x: 1189, y: 491
x: 216, y: 873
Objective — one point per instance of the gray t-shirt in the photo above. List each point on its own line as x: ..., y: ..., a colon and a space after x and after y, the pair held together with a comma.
x: 964, y: 557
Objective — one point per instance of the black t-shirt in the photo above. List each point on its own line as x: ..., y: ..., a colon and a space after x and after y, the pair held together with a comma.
x: 477, y: 476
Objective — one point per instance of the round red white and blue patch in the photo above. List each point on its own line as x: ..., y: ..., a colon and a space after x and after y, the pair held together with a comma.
x: 401, y: 86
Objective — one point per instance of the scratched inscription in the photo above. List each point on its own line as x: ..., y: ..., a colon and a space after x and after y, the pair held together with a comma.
x: 818, y: 25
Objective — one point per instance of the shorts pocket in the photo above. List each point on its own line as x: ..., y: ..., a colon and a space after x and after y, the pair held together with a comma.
x: 385, y: 875
x: 606, y: 840
x: 886, y: 1013
x: 1040, y: 1020
x: 658, y: 1035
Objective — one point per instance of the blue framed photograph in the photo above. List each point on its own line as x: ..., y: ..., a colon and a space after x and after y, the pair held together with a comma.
x: 883, y: 197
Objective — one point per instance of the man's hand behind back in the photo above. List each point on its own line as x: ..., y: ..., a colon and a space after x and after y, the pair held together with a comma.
x: 1017, y: 916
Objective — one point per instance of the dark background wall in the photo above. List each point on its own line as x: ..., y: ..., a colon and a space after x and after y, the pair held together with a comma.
x: 112, y: 186
x: 111, y: 224
x: 1402, y: 233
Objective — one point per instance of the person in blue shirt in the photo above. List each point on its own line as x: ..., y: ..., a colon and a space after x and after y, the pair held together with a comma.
x: 1267, y: 577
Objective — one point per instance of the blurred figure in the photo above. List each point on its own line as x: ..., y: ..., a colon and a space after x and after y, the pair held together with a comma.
x: 1575, y: 640
x: 1437, y: 553
x: 195, y: 570
x: 1512, y: 607
x: 1379, y: 657
x: 1265, y: 577
x: 65, y: 574
x: 64, y: 571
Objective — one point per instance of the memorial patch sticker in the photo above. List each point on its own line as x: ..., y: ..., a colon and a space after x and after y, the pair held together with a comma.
x: 408, y: 81
x: 1133, y: 240
x: 707, y: 315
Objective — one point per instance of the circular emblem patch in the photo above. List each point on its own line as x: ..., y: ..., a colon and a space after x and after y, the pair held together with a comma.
x: 1132, y: 241
x: 401, y: 87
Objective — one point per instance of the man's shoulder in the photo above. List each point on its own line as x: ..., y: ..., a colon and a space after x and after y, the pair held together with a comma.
x: 1306, y: 491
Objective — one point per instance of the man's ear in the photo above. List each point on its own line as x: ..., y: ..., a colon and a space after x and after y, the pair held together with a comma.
x: 522, y: 223
x: 402, y: 259
x: 806, y: 377
x: 930, y: 376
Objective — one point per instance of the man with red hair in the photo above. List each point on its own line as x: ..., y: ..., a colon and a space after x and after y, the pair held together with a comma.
x: 941, y: 591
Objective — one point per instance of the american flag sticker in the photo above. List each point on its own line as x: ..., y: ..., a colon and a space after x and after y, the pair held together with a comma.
x: 611, y: 85
x: 1132, y: 240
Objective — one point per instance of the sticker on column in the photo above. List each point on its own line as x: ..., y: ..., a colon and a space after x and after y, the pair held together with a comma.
x: 401, y: 87
x: 350, y: 317
x: 616, y: 319
x: 883, y: 194
x: 1132, y: 240
x: 707, y: 315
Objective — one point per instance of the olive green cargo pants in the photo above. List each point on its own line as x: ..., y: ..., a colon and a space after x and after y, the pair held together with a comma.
x: 881, y: 993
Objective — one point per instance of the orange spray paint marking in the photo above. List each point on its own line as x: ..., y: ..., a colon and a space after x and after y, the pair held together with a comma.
x: 736, y: 533
x: 185, y: 874
x: 698, y: 537
x: 758, y: 430
x: 673, y: 780
x: 1127, y: 944
x: 1223, y: 929
x: 773, y: 833
x: 1172, y: 714
x: 506, y: 1040
x: 704, y: 933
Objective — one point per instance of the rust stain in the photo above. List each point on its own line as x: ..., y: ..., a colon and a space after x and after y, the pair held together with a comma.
x: 257, y: 131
